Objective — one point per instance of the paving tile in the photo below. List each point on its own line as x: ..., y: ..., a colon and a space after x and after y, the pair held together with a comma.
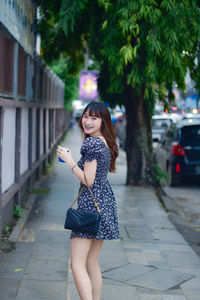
x: 13, y: 264
x: 182, y: 260
x: 42, y: 290
x: 50, y: 236
x: 168, y: 235
x: 192, y: 284
x: 173, y: 297
x: 133, y: 250
x: 158, y: 264
x: 131, y: 245
x: 113, y: 245
x: 50, y: 251
x: 127, y: 272
x: 148, y: 245
x: 174, y: 247
x: 20, y: 253
x: 150, y: 297
x: 112, y: 255
x: 28, y: 235
x: 151, y: 251
x: 154, y: 256
x: 10, y: 271
x: 46, y: 270
x: 118, y: 293
x: 160, y: 221
x: 8, y: 289
x: 191, y: 271
x: 137, y: 258
x: 174, y: 292
x: 192, y: 295
x: 139, y: 233
x: 160, y: 279
x: 72, y: 293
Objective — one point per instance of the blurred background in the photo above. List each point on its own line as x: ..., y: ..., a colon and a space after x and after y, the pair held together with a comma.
x: 53, y: 63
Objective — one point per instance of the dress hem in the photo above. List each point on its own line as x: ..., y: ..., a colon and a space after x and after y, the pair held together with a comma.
x: 94, y: 238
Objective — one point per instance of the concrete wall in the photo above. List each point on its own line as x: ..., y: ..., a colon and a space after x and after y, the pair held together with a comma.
x: 24, y: 141
x: 8, y: 148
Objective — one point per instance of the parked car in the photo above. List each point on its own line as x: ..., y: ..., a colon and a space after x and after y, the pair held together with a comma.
x: 159, y: 125
x: 191, y: 116
x: 178, y: 152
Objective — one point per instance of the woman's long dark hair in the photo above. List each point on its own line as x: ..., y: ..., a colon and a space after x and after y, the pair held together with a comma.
x: 100, y: 110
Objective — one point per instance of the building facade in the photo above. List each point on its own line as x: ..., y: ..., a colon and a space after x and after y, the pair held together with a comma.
x: 32, y: 114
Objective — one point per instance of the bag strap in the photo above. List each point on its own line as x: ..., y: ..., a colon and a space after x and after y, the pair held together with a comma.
x: 82, y: 188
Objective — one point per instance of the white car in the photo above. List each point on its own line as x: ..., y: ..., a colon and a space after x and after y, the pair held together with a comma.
x: 191, y: 116
x: 159, y: 125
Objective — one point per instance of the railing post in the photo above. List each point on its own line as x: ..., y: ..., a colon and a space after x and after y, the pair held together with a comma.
x: 17, y: 152
x: 15, y: 70
x: 1, y: 135
x: 28, y: 78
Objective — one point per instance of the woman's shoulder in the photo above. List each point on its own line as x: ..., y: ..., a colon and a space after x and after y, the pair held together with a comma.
x: 92, y: 143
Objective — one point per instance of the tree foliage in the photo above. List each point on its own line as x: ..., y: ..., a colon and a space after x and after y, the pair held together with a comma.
x: 61, y: 66
x: 152, y: 42
x: 143, y: 47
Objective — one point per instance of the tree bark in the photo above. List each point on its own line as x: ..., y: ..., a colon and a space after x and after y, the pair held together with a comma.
x: 139, y: 150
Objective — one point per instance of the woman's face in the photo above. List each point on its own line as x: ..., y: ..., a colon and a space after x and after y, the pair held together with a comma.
x: 91, y: 124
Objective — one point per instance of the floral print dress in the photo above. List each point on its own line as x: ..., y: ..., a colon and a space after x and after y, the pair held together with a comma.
x: 95, y: 148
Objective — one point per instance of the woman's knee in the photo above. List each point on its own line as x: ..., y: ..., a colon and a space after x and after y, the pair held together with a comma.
x: 75, y: 266
x: 92, y: 262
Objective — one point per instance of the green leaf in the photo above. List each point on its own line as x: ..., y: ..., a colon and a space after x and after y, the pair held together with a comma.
x: 127, y: 52
x: 18, y: 211
x: 104, y: 25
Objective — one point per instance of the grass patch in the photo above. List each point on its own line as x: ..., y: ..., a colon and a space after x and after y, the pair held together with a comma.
x: 162, y: 177
x: 40, y: 191
x: 18, y: 211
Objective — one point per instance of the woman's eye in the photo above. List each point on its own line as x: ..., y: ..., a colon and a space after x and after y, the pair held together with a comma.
x: 94, y: 118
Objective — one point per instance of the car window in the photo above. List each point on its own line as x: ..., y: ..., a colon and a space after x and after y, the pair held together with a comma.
x: 190, y: 132
x: 169, y: 135
x: 176, y: 134
x: 170, y: 131
x: 161, y: 122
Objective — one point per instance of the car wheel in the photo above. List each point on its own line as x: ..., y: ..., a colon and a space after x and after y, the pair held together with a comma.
x: 173, y: 179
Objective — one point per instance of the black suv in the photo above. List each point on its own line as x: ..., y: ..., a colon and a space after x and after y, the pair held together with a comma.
x: 179, y: 150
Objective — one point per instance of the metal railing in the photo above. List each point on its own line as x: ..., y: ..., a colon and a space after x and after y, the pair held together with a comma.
x: 32, y: 121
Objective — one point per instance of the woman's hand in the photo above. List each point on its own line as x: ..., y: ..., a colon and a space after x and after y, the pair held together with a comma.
x: 89, y: 167
x: 65, y: 154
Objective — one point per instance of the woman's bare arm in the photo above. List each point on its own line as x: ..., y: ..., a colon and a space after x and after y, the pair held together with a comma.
x: 89, y: 171
x: 89, y: 167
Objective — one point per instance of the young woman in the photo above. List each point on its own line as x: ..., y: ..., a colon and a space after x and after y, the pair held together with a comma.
x: 99, y: 152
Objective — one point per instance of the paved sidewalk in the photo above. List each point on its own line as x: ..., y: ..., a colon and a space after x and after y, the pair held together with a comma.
x: 151, y: 261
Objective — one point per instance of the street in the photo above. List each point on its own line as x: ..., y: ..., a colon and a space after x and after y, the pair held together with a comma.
x: 187, y: 198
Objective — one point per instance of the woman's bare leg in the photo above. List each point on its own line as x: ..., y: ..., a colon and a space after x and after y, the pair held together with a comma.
x: 79, y: 252
x: 94, y: 269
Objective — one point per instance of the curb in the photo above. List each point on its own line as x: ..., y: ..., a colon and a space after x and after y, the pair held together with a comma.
x: 21, y: 222
x: 176, y: 217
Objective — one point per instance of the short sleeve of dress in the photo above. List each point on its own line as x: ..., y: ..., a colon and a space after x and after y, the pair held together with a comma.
x: 91, y: 148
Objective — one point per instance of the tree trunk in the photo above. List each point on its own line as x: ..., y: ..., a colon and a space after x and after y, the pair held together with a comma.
x: 139, y: 151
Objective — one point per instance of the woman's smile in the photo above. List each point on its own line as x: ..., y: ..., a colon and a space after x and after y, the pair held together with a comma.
x: 91, y: 124
x: 87, y: 127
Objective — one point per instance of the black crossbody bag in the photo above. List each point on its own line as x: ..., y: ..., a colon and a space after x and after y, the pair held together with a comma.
x: 82, y: 221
